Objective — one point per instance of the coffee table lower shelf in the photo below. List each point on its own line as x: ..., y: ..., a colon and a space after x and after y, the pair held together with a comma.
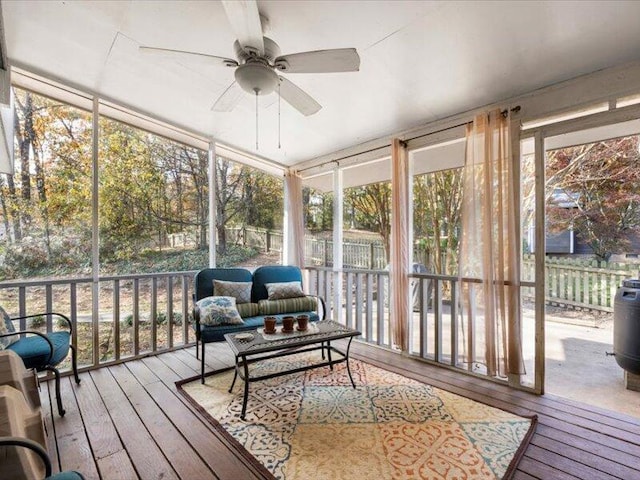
x: 263, y: 351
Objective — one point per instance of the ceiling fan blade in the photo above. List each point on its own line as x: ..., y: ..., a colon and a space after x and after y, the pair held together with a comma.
x: 297, y: 98
x: 245, y: 22
x: 320, y: 61
x: 229, y: 99
x: 200, y: 57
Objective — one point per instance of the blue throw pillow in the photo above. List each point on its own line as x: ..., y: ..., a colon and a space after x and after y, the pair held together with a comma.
x: 219, y: 311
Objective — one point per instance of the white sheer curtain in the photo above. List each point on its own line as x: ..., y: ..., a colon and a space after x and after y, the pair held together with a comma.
x: 490, y: 239
x: 398, y: 274
x: 294, y: 221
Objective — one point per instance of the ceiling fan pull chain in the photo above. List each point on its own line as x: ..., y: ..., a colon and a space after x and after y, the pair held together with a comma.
x: 278, y: 115
x: 256, y: 119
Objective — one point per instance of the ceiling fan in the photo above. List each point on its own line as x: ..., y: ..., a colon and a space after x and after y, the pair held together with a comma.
x: 259, y: 61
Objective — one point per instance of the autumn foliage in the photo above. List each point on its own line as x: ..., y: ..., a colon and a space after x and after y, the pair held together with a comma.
x: 595, y: 189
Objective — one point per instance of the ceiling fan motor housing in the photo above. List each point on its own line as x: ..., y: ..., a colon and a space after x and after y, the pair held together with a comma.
x: 271, y: 51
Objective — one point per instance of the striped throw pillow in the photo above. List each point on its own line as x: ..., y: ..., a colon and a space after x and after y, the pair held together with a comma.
x: 247, y: 310
x: 288, y: 305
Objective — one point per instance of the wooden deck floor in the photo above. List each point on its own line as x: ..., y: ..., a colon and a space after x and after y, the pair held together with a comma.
x: 128, y: 421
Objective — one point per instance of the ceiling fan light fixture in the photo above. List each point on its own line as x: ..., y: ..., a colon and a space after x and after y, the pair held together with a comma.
x: 256, y: 78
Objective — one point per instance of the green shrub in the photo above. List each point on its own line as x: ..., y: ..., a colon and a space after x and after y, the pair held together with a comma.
x: 37, y: 323
x: 127, y: 321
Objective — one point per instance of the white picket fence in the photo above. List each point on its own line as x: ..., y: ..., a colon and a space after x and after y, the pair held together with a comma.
x: 581, y: 282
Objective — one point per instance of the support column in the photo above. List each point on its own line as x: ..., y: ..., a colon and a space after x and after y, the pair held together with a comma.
x: 338, y: 200
x: 285, y: 255
x: 95, y: 236
x: 212, y: 203
x: 540, y: 249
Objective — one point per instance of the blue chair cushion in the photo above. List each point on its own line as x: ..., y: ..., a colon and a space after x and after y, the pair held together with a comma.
x: 69, y: 475
x: 217, y: 333
x: 272, y: 274
x: 34, y: 350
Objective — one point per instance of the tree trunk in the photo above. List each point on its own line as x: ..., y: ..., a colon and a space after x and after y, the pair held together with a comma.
x: 14, y: 211
x: 5, y: 211
x: 222, y: 238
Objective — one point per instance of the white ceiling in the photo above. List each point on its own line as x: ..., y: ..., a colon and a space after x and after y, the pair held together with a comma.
x: 420, y: 60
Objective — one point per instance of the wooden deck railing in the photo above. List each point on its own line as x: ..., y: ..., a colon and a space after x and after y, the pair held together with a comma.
x: 140, y: 315
x: 134, y: 315
x: 440, y: 331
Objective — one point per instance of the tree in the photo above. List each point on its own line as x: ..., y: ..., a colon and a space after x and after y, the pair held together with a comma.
x: 263, y: 199
x: 318, y: 209
x: 601, y: 182
x: 229, y: 201
x: 130, y: 190
x: 437, y: 206
x: 372, y: 208
x: 185, y: 192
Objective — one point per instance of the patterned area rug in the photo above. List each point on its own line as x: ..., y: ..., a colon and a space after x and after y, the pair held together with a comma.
x: 315, y: 425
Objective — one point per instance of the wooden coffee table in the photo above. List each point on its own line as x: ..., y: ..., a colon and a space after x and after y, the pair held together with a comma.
x: 261, y: 347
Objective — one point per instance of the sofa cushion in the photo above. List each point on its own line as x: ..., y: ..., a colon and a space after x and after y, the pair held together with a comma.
x: 248, y: 309
x: 219, y: 311
x: 287, y: 305
x: 278, y: 291
x: 241, y: 291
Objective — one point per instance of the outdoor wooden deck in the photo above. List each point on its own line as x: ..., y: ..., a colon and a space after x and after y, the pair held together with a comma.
x: 128, y: 421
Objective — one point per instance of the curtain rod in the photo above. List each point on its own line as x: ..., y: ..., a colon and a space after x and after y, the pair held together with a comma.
x: 404, y: 141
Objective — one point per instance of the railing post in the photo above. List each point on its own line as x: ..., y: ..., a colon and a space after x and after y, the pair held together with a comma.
x: 268, y: 241
x: 185, y: 309
x: 154, y: 314
x: 423, y: 311
x: 380, y: 308
x: 454, y: 323
x: 349, y: 300
x: 49, y: 307
x: 369, y: 305
x: 136, y: 316
x: 437, y: 312
x: 169, y: 311
x: 116, y: 318
x: 73, y: 300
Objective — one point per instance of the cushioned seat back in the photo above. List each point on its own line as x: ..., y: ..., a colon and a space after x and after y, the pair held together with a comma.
x: 203, y: 282
x: 272, y: 274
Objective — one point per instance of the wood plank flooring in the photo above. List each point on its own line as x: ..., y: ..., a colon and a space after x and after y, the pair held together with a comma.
x: 128, y: 422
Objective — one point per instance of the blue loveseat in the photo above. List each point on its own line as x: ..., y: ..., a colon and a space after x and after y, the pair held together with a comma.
x: 203, y: 287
